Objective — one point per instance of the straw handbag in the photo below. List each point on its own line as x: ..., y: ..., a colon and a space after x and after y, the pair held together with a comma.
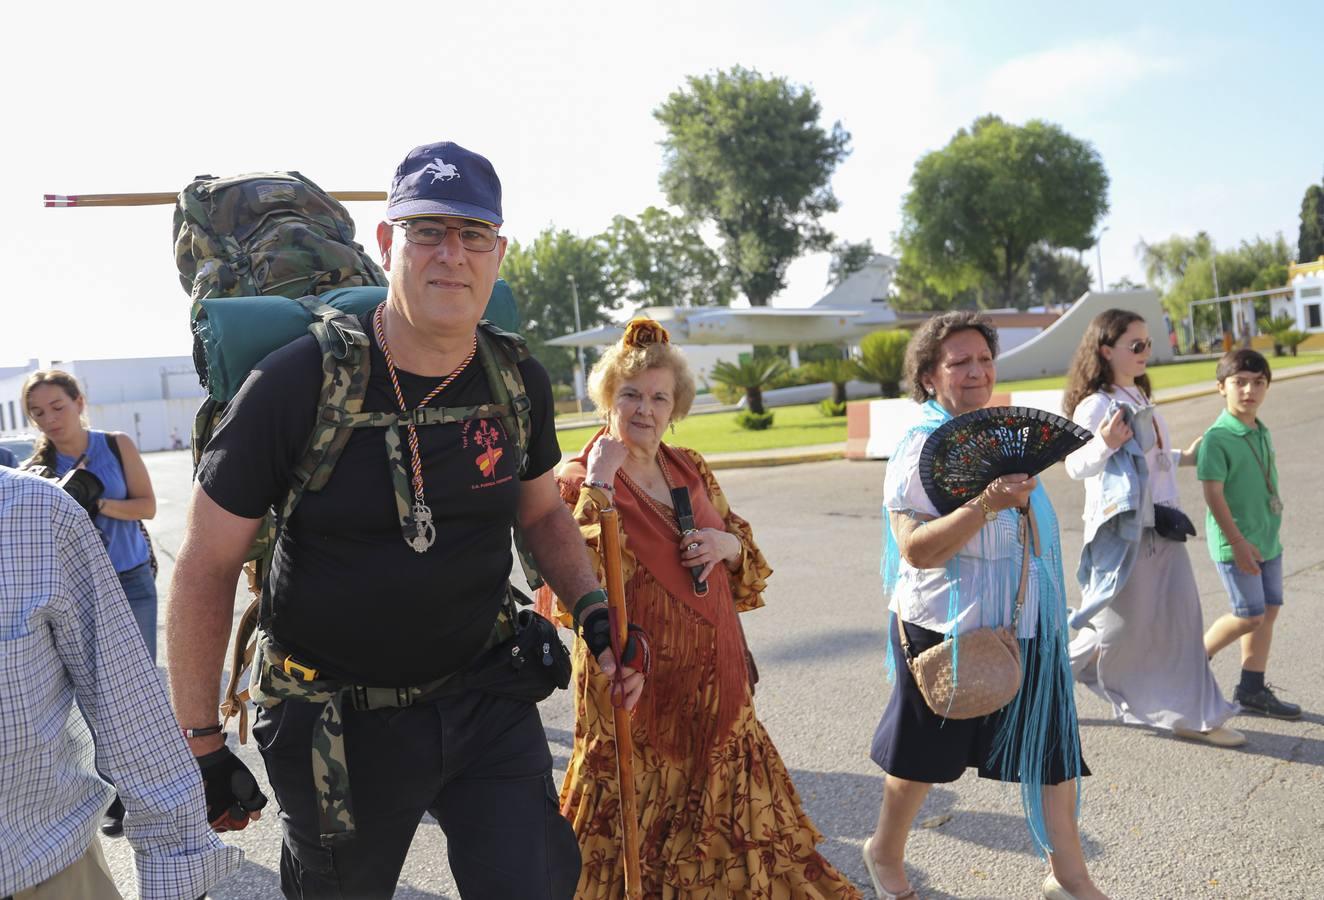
x: 990, y: 658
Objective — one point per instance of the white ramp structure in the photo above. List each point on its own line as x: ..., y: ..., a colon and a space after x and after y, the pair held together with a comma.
x: 1049, y: 353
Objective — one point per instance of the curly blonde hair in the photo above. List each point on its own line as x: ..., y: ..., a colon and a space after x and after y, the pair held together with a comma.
x: 645, y: 345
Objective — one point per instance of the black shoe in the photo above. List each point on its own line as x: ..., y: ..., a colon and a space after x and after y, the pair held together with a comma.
x: 112, y: 822
x: 1265, y: 703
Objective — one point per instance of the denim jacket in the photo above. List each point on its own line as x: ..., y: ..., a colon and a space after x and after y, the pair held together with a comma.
x: 1117, y: 520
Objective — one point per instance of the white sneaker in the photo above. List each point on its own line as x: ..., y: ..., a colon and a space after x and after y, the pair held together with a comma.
x: 1222, y: 736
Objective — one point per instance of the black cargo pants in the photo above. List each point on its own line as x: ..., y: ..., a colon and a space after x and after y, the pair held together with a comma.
x: 478, y: 763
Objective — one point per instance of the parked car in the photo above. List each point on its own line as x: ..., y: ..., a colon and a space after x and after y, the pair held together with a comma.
x: 19, y: 444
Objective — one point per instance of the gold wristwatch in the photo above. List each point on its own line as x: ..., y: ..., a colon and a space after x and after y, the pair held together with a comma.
x: 990, y: 514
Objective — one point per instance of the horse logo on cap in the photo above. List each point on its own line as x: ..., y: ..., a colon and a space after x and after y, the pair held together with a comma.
x: 441, y: 171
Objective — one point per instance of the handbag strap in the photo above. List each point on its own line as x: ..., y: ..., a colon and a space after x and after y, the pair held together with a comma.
x: 1029, y: 536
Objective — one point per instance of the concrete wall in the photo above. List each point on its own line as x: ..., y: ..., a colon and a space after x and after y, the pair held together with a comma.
x: 1050, y: 352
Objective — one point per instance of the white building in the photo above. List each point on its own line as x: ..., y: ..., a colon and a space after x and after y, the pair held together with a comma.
x: 151, y: 399
x: 1307, y: 283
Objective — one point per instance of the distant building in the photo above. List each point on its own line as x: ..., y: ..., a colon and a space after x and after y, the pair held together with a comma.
x: 147, y: 398
x: 1307, y: 283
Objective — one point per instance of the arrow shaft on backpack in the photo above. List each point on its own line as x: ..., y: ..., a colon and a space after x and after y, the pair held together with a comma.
x: 168, y: 198
x: 611, y: 557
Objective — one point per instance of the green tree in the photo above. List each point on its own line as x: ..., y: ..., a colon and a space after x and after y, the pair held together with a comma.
x: 661, y: 260
x: 848, y: 258
x: 1310, y: 239
x: 978, y: 207
x: 539, y: 276
x: 1182, y: 270
x: 747, y: 153
x: 749, y: 375
x: 883, y: 359
x: 1125, y: 283
x: 1053, y: 278
x: 913, y: 292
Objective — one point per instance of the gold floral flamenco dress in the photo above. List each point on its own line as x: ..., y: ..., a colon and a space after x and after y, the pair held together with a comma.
x: 719, y: 817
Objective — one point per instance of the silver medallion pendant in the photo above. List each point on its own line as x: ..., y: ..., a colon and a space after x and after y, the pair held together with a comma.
x: 425, y: 533
x: 1164, y: 461
x: 1275, y: 505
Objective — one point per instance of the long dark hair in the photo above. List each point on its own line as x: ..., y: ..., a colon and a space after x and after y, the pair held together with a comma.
x: 1090, y: 372
x: 43, y: 449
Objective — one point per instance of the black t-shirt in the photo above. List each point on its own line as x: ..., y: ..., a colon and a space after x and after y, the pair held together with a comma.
x: 348, y: 595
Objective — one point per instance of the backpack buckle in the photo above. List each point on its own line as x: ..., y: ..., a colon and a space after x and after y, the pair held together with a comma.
x: 522, y: 403
x: 296, y: 670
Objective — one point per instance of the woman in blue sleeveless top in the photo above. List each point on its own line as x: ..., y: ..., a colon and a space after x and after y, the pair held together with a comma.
x: 55, y: 404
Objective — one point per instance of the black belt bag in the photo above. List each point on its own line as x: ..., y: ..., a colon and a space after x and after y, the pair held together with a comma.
x: 528, y: 666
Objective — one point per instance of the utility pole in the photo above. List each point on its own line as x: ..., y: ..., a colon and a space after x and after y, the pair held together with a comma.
x: 579, y: 351
x: 1098, y: 254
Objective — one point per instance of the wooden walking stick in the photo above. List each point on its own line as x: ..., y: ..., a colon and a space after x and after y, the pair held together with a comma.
x: 620, y: 716
x: 167, y: 198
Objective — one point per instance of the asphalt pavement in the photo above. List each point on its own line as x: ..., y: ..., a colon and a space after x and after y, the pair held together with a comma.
x: 1161, y: 818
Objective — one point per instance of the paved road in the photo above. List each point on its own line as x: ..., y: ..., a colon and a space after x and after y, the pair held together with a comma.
x: 1162, y: 818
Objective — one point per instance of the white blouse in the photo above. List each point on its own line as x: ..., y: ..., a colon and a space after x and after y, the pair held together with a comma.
x: 988, y: 566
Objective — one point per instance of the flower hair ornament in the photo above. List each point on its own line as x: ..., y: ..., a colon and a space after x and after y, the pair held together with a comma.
x: 642, y: 332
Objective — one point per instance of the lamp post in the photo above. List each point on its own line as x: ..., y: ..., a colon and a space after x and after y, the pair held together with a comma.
x: 579, y: 350
x: 1098, y: 254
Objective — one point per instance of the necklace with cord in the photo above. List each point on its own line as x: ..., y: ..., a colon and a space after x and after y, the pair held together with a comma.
x: 425, y: 532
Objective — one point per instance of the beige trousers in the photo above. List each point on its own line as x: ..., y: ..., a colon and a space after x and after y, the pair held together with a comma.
x: 87, y: 878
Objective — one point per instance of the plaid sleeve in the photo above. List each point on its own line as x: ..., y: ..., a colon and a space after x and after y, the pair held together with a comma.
x: 138, y: 744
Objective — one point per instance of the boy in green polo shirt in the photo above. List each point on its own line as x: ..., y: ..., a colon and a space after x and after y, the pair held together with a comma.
x: 1236, y: 468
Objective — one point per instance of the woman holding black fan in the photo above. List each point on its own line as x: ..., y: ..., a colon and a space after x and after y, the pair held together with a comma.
x: 990, y: 568
x: 719, y: 815
x: 1141, y: 644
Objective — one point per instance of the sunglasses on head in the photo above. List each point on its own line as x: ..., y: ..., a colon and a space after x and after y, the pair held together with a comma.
x: 1138, y: 347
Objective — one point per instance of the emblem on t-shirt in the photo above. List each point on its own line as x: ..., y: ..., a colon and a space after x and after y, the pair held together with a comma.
x: 486, y: 436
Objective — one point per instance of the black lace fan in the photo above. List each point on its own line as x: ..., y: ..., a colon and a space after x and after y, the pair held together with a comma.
x: 964, y: 454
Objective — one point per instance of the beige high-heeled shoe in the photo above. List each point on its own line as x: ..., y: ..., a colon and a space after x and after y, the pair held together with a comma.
x: 1054, y: 890
x: 878, y: 888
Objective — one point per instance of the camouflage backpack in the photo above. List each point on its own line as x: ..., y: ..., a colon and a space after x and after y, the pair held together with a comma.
x: 264, y: 233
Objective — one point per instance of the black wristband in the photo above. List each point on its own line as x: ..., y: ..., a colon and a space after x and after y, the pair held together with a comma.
x: 202, y: 732
x: 596, y: 632
x: 597, y: 595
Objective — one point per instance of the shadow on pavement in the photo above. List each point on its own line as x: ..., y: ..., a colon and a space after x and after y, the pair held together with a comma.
x: 822, y: 644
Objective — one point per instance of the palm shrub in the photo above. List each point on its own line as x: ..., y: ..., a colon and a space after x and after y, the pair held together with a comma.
x: 752, y: 421
x: 837, y: 371
x: 1275, y: 328
x: 883, y: 359
x: 750, y: 375
x: 1292, y: 338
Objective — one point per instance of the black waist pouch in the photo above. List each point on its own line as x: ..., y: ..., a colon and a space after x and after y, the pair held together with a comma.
x: 528, y: 666
x: 1172, y: 523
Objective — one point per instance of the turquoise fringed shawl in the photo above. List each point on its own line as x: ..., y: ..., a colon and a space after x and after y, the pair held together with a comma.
x: 1046, y: 695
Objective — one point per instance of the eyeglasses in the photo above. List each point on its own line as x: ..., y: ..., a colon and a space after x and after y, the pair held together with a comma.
x: 430, y: 233
x: 1138, y: 347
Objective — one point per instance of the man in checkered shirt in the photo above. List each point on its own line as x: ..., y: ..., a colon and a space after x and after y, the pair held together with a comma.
x: 66, y: 633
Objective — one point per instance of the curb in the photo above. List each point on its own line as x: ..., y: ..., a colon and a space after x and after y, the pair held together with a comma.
x: 1192, y: 393
x: 758, y: 462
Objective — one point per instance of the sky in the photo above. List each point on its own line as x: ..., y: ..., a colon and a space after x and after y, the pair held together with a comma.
x: 1206, y: 116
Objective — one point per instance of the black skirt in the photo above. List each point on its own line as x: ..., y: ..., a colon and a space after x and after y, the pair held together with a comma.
x: 915, y: 743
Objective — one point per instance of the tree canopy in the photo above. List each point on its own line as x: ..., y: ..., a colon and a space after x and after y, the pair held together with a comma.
x: 747, y: 153
x: 1310, y: 239
x: 661, y: 260
x: 1182, y: 270
x: 978, y: 207
x: 849, y: 258
x: 539, y: 276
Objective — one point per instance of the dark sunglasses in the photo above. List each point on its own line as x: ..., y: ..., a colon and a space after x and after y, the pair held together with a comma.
x: 1138, y: 347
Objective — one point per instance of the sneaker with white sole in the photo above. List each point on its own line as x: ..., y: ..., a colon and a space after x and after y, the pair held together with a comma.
x: 1222, y: 736
x: 1266, y: 703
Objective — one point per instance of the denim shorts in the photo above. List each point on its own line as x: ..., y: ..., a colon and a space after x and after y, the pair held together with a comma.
x: 1250, y: 594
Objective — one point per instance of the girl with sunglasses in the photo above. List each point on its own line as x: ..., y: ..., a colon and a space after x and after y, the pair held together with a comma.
x: 1140, y: 644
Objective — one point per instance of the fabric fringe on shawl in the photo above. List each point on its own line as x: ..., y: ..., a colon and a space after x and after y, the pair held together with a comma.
x: 1046, y: 695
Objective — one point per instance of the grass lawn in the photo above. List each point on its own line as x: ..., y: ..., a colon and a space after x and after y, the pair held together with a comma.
x: 800, y: 426
x: 792, y: 426
x: 1169, y: 376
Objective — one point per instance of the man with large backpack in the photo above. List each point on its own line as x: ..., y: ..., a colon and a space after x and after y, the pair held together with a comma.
x: 393, y: 675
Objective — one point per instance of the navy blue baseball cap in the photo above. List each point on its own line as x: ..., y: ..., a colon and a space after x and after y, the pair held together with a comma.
x: 445, y: 180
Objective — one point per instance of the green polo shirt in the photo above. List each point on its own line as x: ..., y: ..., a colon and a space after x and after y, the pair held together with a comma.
x: 1229, y: 454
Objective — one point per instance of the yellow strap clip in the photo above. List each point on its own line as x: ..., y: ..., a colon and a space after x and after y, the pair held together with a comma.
x: 295, y: 670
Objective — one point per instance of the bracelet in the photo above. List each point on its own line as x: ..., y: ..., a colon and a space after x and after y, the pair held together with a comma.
x: 610, y: 488
x: 202, y: 732
x: 593, y: 597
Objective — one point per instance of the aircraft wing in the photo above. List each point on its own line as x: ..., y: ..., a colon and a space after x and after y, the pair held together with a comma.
x: 760, y: 325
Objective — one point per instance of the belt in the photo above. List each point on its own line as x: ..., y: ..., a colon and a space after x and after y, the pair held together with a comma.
x: 279, y: 677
